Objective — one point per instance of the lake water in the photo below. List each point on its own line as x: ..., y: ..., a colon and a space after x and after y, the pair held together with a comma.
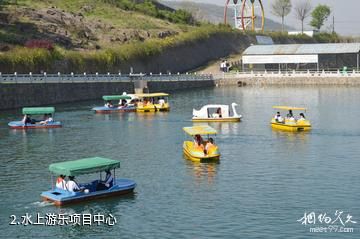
x: 266, y: 180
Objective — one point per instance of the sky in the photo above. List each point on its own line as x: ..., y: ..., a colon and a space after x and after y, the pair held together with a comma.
x: 346, y: 13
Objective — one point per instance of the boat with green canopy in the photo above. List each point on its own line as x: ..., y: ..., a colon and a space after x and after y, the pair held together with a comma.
x: 31, y: 122
x: 71, y: 192
x: 109, y: 107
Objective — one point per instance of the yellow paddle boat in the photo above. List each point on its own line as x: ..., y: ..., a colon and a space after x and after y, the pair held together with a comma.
x: 200, y: 150
x: 152, y: 102
x: 290, y: 123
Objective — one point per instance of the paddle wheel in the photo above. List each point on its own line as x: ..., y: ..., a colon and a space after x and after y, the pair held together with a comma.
x: 248, y: 14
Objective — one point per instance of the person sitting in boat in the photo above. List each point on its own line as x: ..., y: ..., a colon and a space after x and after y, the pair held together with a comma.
x: 108, y: 104
x: 278, y: 118
x: 47, y: 120
x: 218, y: 111
x: 217, y: 114
x: 107, y: 182
x: 122, y: 103
x: 60, y: 182
x: 26, y: 119
x: 302, y: 117
x: 146, y: 102
x: 290, y: 114
x: 73, y: 186
x: 198, y: 142
x: 209, y: 147
x: 161, y: 101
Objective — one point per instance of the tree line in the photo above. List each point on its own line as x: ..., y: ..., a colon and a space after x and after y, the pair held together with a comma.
x: 302, y: 10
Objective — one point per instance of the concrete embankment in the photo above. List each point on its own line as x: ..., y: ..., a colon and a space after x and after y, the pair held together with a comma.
x: 263, y: 81
x: 55, y: 91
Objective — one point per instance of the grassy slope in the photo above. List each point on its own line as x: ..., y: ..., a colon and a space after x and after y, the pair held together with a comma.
x: 120, y: 21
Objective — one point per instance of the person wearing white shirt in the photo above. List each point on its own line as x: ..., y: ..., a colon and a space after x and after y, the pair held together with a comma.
x: 278, y: 118
x: 60, y: 182
x: 72, y: 186
x: 161, y: 102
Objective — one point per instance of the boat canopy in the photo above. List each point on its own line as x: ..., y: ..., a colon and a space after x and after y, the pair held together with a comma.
x: 200, y: 129
x: 83, y: 166
x: 116, y: 97
x: 288, y: 108
x: 38, y: 110
x: 150, y: 95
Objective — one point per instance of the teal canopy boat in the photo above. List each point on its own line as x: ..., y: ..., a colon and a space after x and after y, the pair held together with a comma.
x: 38, y: 110
x: 95, y: 189
x: 116, y: 97
x: 109, y: 107
x: 83, y: 166
x: 31, y: 123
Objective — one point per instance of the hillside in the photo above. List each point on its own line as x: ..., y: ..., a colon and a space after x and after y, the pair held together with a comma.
x: 87, y: 24
x: 215, y: 13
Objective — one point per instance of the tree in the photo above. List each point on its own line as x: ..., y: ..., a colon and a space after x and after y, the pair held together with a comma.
x: 319, y: 16
x: 281, y: 8
x: 302, y: 11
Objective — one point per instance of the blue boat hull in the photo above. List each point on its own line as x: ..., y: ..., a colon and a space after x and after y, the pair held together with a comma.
x: 107, y: 110
x: 21, y: 125
x: 61, y: 197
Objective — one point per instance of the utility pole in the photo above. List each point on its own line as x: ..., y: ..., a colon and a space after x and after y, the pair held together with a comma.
x: 333, y: 24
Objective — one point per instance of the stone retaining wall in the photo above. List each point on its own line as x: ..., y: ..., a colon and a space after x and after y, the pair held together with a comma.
x: 168, y: 86
x: 20, y: 95
x: 16, y: 95
x: 241, y: 81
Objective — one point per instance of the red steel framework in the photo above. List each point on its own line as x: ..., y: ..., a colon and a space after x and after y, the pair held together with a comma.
x: 245, y: 14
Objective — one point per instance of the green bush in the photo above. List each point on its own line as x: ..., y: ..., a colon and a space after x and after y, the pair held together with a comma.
x: 325, y: 37
x: 24, y: 60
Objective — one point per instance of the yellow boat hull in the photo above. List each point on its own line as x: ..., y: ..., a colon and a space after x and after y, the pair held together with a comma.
x: 294, y: 127
x: 198, y: 155
x: 216, y: 119
x: 152, y: 108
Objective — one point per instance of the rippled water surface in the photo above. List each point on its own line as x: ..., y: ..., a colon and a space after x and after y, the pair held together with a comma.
x: 264, y: 183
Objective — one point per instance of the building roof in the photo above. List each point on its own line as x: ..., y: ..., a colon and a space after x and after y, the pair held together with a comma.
x: 303, y: 49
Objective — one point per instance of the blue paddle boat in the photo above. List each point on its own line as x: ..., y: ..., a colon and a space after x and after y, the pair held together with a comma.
x: 87, y: 191
x: 109, y: 107
x: 31, y: 123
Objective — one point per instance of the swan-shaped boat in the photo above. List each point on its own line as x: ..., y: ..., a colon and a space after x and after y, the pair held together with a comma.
x: 290, y: 123
x: 216, y: 113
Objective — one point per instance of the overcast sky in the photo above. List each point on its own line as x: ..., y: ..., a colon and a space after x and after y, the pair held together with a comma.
x: 346, y: 12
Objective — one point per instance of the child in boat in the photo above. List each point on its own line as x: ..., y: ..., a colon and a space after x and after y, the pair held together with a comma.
x: 60, y: 182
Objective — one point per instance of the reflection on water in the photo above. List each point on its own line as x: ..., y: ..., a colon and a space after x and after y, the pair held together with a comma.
x: 265, y: 180
x: 203, y: 171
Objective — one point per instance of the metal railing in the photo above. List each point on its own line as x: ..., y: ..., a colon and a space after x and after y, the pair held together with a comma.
x: 91, y: 78
x: 277, y: 74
